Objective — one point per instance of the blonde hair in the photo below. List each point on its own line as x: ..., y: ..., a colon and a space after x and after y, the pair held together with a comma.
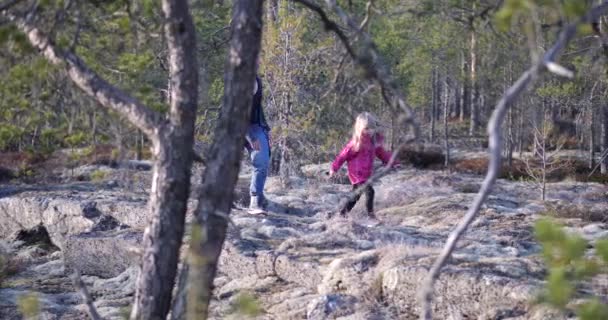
x: 364, y: 122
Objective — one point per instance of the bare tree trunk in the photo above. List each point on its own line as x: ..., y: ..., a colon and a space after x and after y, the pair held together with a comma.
x: 463, y: 87
x: 433, y: 104
x: 543, y: 151
x: 511, y: 133
x: 604, y: 138
x: 510, y: 139
x: 520, y: 133
x: 172, y: 141
x: 474, y: 125
x: 171, y: 175
x: 93, y: 125
x: 591, y: 139
x: 221, y: 173
x: 446, y: 108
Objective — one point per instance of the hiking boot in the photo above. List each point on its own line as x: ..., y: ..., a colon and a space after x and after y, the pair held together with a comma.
x: 255, y: 206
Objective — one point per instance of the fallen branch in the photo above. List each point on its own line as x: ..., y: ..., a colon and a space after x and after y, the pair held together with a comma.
x: 495, y: 143
x: 84, y: 293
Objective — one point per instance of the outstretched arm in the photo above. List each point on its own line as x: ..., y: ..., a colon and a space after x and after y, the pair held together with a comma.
x: 383, y: 154
x: 344, y: 156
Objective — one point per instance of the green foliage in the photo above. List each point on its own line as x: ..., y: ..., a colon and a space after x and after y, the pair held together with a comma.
x: 29, y: 305
x: 9, y: 134
x: 98, y: 175
x: 568, y: 265
x: 247, y: 305
x: 513, y: 8
x: 75, y: 139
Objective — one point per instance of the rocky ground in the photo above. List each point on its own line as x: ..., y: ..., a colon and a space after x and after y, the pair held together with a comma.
x: 297, y: 262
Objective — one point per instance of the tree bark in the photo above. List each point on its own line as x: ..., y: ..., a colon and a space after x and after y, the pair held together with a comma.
x: 172, y: 141
x: 221, y: 173
x: 591, y: 139
x: 463, y: 88
x: 433, y: 105
x: 446, y: 114
x: 474, y: 125
x: 171, y: 176
x: 604, y: 138
x: 520, y: 133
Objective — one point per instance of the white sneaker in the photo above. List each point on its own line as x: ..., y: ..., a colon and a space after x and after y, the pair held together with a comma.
x: 254, y: 206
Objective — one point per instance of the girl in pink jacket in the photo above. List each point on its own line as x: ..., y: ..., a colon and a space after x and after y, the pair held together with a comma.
x: 359, y: 153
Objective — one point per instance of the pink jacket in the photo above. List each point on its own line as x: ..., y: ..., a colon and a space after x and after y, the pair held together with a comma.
x: 361, y: 163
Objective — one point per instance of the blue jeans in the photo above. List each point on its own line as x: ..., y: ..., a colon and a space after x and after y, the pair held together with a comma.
x: 260, y: 160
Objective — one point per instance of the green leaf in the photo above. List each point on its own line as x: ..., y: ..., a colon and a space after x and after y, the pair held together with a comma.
x: 547, y: 231
x: 601, y: 249
x: 585, y: 269
x: 575, y: 8
x: 593, y: 310
x: 246, y: 304
x: 574, y: 247
x: 29, y: 305
x: 559, y: 288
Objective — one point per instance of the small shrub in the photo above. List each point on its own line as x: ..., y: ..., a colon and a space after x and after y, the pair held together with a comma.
x: 98, y: 175
x: 564, y: 255
x: 29, y: 306
x: 247, y: 305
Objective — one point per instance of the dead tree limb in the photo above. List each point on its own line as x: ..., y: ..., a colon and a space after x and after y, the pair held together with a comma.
x: 84, y: 293
x: 495, y: 143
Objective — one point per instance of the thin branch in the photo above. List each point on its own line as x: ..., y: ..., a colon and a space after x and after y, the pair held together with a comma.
x: 370, y: 60
x: 329, y: 25
x: 107, y: 95
x: 84, y: 293
x: 494, y: 131
x: 368, y: 15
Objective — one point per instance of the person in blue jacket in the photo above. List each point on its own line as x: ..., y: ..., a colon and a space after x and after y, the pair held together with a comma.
x: 258, y: 145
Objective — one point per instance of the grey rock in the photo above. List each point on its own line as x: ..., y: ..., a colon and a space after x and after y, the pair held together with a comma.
x: 104, y: 254
x: 330, y: 307
x: 470, y: 290
x: 70, y: 212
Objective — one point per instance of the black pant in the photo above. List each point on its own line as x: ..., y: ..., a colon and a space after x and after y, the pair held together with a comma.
x: 369, y: 199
